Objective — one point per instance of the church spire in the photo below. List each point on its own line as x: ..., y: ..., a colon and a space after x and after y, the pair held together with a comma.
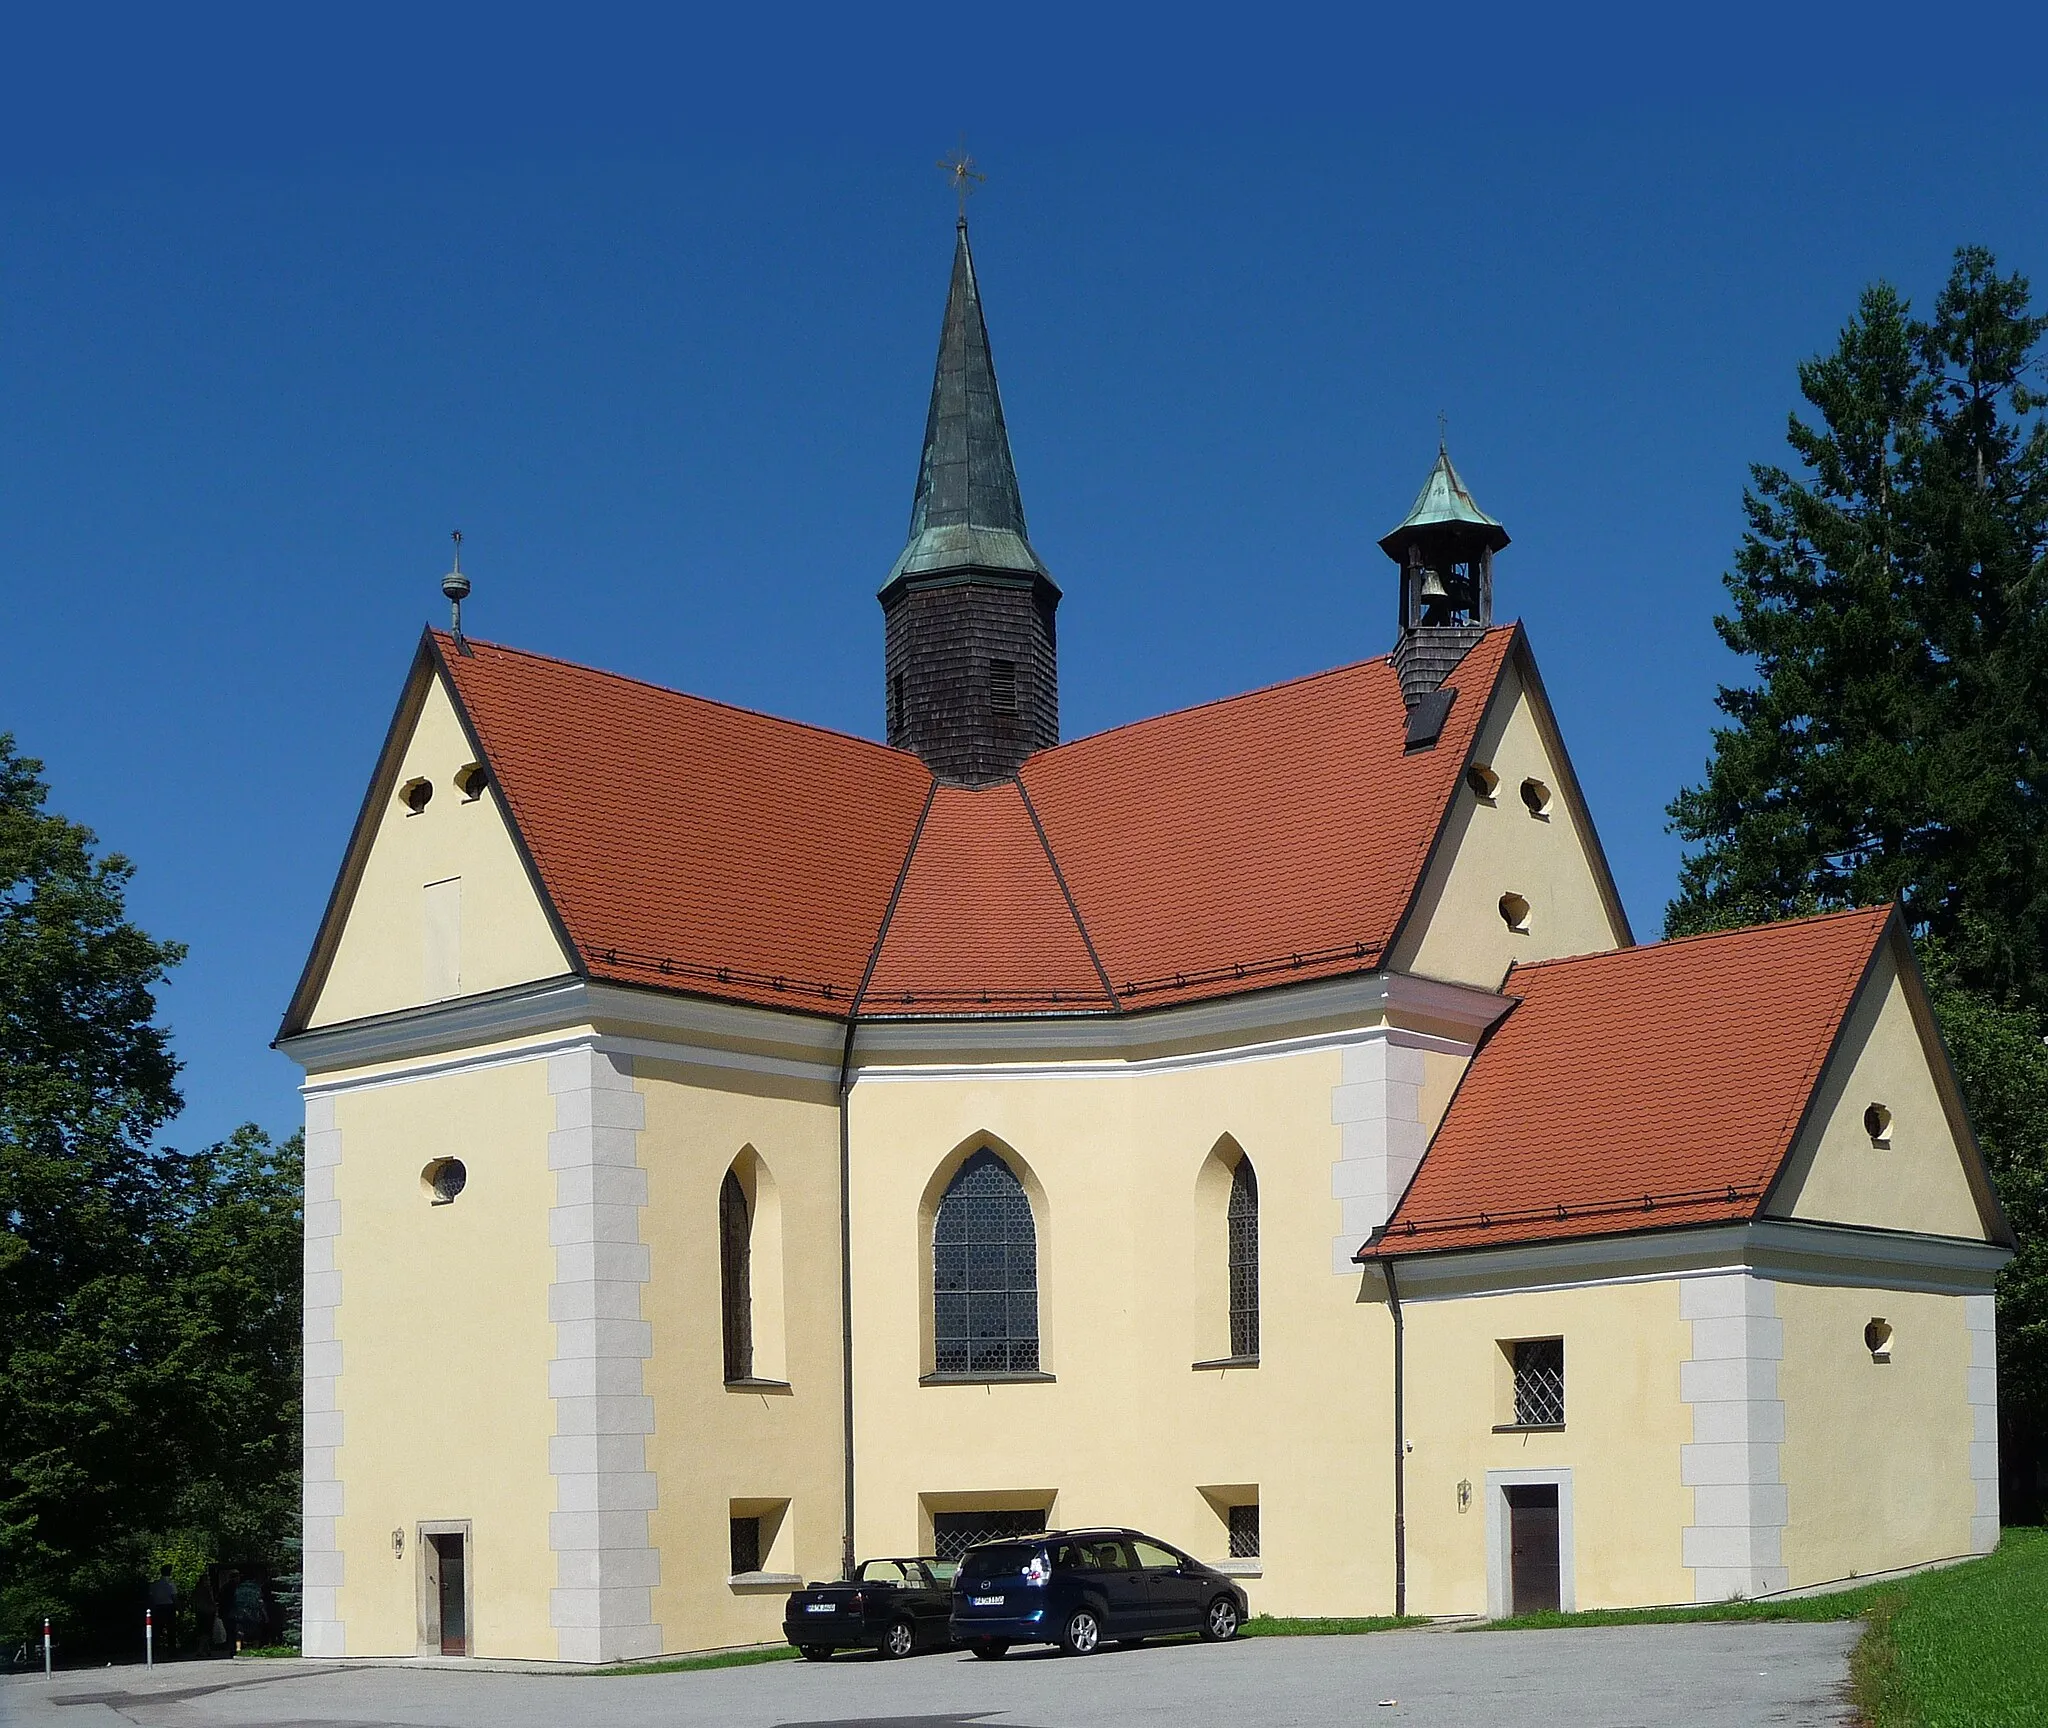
x: 967, y: 512
x: 971, y: 666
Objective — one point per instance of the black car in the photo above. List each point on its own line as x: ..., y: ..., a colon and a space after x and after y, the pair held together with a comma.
x: 1077, y: 1587
x: 894, y: 1606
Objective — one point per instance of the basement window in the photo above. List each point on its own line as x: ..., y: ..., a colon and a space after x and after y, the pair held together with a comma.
x: 1877, y: 1339
x: 1483, y: 781
x: 746, y: 1545
x: 1877, y: 1123
x: 415, y: 795
x: 1002, y: 686
x: 1537, y: 796
x: 1244, y: 1532
x: 470, y: 781
x: 1514, y: 913
x: 443, y: 1179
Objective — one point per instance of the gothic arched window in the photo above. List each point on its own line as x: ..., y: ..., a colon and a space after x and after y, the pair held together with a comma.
x: 1244, y: 1260
x: 985, y: 1273
x: 735, y: 1270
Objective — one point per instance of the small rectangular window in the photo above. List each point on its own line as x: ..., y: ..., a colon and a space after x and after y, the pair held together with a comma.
x: 746, y: 1545
x: 1002, y: 686
x: 1244, y: 1532
x: 896, y: 703
x: 1539, y: 1383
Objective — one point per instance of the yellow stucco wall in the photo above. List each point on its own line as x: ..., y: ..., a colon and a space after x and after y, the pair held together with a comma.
x: 387, y: 956
x: 1836, y: 1174
x: 712, y: 1446
x: 1876, y: 1454
x: 1497, y: 846
x: 1624, y: 1425
x: 445, y: 1343
x: 1131, y: 1261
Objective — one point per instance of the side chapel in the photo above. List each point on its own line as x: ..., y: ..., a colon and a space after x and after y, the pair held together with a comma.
x: 735, y: 1147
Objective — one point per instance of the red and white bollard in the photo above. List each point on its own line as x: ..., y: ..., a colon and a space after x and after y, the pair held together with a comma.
x: 149, y: 1637
x: 46, y: 1646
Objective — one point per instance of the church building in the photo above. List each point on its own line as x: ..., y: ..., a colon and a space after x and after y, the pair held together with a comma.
x: 735, y: 1148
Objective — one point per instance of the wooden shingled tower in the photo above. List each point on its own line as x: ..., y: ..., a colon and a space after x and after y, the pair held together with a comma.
x: 971, y: 657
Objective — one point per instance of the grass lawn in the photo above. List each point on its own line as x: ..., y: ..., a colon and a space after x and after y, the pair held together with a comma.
x: 1965, y: 1647
x: 690, y: 1664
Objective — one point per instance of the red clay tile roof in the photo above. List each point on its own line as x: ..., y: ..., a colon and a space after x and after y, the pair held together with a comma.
x: 1639, y: 1089
x: 982, y: 924
x: 689, y: 844
x: 1268, y: 838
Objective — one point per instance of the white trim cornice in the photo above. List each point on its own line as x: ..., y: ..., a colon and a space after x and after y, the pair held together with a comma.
x: 1784, y: 1249
x: 657, y: 1025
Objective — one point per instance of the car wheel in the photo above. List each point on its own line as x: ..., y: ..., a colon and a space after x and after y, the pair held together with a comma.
x: 815, y: 1652
x: 1220, y: 1623
x: 900, y: 1639
x: 989, y: 1649
x: 1083, y: 1634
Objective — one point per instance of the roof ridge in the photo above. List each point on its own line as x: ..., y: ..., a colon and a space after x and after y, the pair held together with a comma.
x: 443, y: 636
x: 1244, y: 696
x: 1073, y: 905
x: 867, y: 976
x: 1698, y: 936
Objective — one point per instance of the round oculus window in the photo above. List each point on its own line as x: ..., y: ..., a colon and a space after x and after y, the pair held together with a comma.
x: 444, y: 1179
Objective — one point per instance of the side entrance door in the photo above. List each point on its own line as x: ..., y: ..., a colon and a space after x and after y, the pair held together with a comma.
x: 1532, y: 1549
x: 444, y: 1565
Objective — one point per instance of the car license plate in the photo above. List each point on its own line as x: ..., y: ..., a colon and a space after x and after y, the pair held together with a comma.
x: 818, y: 1607
x: 986, y: 1601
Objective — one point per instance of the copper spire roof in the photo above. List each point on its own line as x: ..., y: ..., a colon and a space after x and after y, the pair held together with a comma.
x: 967, y: 513
x: 1444, y: 501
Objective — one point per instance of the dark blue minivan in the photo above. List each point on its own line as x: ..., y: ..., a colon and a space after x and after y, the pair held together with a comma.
x: 1076, y: 1588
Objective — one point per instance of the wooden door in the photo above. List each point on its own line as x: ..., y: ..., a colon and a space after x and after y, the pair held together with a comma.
x: 1532, y: 1549
x: 445, y: 1577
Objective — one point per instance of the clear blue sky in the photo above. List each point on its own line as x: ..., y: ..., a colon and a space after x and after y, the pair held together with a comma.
x: 648, y: 311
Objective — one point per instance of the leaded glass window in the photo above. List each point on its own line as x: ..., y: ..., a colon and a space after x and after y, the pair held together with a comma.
x: 1539, y: 1383
x: 1244, y: 1261
x: 985, y: 1273
x: 736, y: 1275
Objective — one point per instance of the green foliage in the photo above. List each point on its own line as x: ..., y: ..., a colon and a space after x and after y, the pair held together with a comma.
x: 148, y: 1300
x: 2002, y: 1061
x: 1894, y: 599
x: 1892, y: 596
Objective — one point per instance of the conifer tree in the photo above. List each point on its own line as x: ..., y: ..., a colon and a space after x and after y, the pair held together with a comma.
x: 1892, y: 597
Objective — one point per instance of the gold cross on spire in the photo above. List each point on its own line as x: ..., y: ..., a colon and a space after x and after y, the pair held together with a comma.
x: 960, y: 166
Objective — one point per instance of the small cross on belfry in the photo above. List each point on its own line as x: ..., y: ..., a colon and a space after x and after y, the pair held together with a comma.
x: 960, y: 166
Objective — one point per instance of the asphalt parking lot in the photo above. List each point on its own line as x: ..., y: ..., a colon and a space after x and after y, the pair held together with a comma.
x: 1699, y: 1675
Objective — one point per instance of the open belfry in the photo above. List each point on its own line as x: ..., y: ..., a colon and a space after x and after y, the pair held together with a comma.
x: 734, y: 1147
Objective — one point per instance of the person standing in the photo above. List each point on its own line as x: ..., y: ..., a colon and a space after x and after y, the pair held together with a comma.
x: 163, y: 1610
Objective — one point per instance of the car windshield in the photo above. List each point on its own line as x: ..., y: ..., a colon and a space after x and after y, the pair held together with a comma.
x: 998, y: 1560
